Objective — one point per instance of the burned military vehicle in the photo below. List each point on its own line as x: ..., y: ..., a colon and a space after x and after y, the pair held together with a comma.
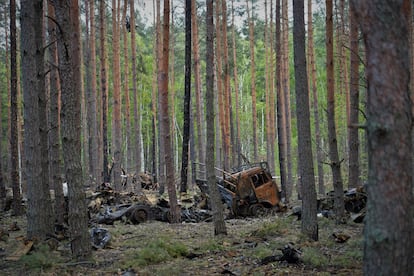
x: 248, y: 190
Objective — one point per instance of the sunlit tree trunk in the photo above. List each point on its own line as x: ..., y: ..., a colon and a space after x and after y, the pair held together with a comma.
x: 171, y: 90
x: 218, y: 219
x: 333, y: 147
x: 165, y: 128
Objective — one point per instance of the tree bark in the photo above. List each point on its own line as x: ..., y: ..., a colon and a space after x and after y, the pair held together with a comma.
x: 92, y: 112
x: 39, y: 216
x: 286, y: 91
x: 312, y: 67
x: 309, y: 219
x: 236, y: 90
x: 226, y: 89
x: 137, y: 125
x: 353, y: 140
x: 280, y: 105
x: 187, y: 98
x: 2, y: 183
x: 197, y: 85
x: 161, y: 145
x: 117, y: 132
x: 14, y: 123
x: 220, y: 89
x: 388, y: 232
x: 165, y: 121
x: 104, y: 93
x: 253, y: 82
x: 67, y: 16
x: 333, y: 146
x: 54, y: 113
x: 128, y: 139
x: 218, y: 219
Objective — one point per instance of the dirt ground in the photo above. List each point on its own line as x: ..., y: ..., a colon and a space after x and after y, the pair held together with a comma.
x: 251, y: 247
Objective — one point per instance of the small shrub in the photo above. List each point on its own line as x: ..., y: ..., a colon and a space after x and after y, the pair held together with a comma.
x: 211, y: 245
x: 313, y: 257
x: 278, y: 227
x: 41, y: 258
x: 156, y: 251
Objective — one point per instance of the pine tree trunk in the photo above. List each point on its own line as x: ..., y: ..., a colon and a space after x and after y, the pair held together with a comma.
x: 54, y: 116
x: 2, y: 183
x: 197, y: 84
x: 220, y: 88
x: 161, y: 145
x: 388, y: 233
x: 39, y: 216
x: 253, y: 82
x: 104, y: 93
x: 117, y: 132
x: 67, y: 16
x: 218, y: 219
x: 333, y: 147
x: 280, y: 105
x: 286, y: 91
x: 187, y: 98
x: 128, y: 139
x: 171, y: 87
x: 154, y: 101
x: 14, y: 123
x: 93, y: 136
x: 318, y: 139
x: 165, y: 128
x: 237, y: 146
x: 309, y: 219
x: 226, y: 92
x: 353, y: 140
x: 137, y: 128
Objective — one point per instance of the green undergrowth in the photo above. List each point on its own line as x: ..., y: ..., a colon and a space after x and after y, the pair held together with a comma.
x: 156, y: 251
x: 40, y: 258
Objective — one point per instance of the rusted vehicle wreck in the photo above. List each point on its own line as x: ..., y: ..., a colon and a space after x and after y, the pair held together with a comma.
x: 248, y: 190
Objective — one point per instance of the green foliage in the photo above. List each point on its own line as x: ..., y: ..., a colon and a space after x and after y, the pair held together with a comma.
x: 156, y: 251
x: 40, y: 259
x: 314, y: 257
x: 211, y: 245
x: 273, y: 228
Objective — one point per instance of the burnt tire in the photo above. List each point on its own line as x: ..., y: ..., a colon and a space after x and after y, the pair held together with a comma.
x: 257, y: 210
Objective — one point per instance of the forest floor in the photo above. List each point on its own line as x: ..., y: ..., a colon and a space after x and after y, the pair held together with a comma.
x: 160, y: 248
